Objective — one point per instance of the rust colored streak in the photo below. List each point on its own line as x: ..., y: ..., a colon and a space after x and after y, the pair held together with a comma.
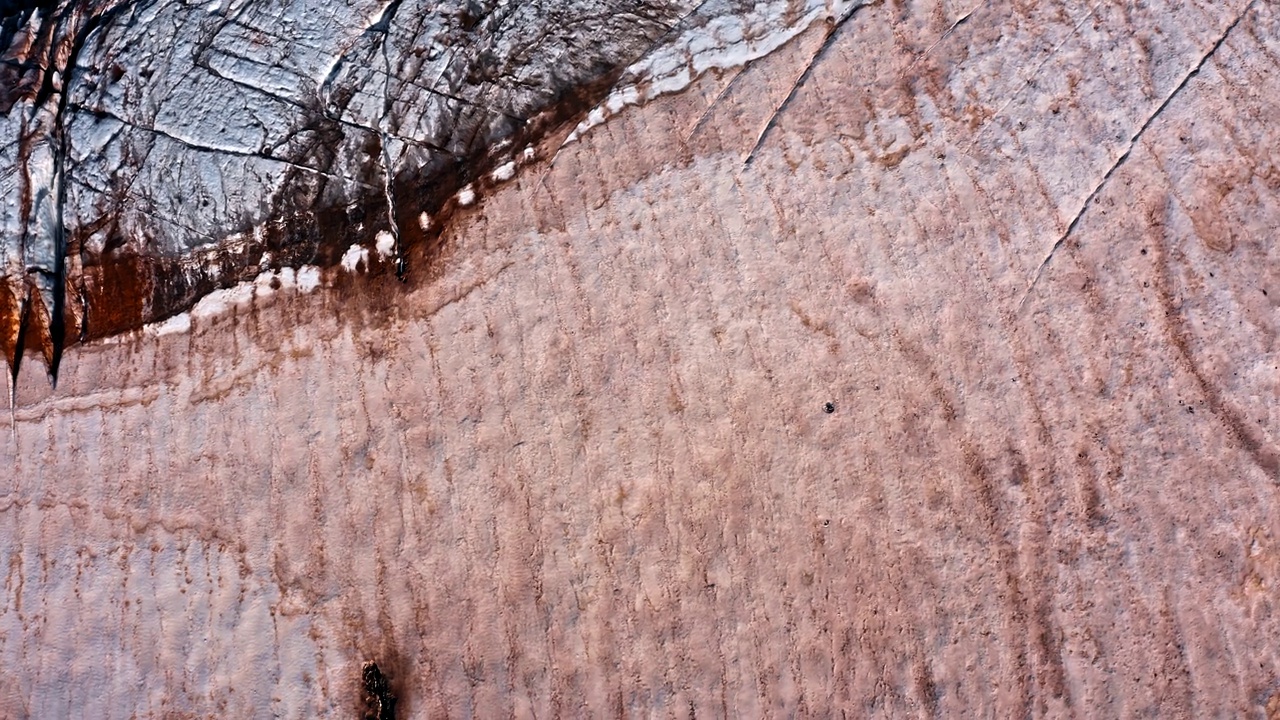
x: 38, y: 334
x: 115, y: 296
x: 10, y: 323
x: 24, y: 325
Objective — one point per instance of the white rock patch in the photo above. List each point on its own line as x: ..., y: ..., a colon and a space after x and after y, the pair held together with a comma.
x: 308, y: 278
x: 466, y: 196
x: 504, y: 172
x: 728, y: 39
x: 385, y: 243
x: 354, y: 256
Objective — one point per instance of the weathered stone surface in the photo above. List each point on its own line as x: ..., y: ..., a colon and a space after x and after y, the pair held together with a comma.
x: 585, y: 467
x: 159, y: 151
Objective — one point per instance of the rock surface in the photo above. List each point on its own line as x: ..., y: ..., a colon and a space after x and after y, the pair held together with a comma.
x: 159, y: 151
x: 925, y: 365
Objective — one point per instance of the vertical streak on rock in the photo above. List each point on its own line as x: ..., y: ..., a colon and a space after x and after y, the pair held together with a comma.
x: 37, y: 290
x: 383, y: 27
x: 16, y: 363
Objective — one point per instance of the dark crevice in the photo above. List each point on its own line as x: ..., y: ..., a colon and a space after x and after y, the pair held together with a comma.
x: 379, y: 700
x: 61, y: 147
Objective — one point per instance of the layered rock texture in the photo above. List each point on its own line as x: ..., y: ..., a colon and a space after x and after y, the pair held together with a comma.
x: 866, y: 360
x: 158, y: 151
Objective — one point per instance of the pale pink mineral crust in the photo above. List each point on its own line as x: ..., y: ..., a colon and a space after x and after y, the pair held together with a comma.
x: 924, y: 365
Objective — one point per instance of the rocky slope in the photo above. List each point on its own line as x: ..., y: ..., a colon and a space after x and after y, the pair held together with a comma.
x: 921, y: 364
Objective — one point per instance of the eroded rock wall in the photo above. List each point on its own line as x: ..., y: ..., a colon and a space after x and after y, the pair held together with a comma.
x: 159, y: 151
x: 1025, y: 252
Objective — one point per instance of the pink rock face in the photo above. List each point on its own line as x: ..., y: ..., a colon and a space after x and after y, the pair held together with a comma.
x: 587, y: 466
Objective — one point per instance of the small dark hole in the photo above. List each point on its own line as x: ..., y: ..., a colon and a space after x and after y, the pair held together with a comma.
x: 829, y: 408
x: 1144, y: 251
x: 826, y: 523
x: 380, y: 702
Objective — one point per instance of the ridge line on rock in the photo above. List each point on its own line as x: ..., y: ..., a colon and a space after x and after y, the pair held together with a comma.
x: 1133, y: 142
x: 827, y: 42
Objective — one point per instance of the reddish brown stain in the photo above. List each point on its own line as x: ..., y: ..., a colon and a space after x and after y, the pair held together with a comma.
x: 115, y: 295
x: 10, y: 315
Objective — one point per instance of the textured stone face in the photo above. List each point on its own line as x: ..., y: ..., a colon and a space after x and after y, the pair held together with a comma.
x: 157, y: 151
x: 923, y: 366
